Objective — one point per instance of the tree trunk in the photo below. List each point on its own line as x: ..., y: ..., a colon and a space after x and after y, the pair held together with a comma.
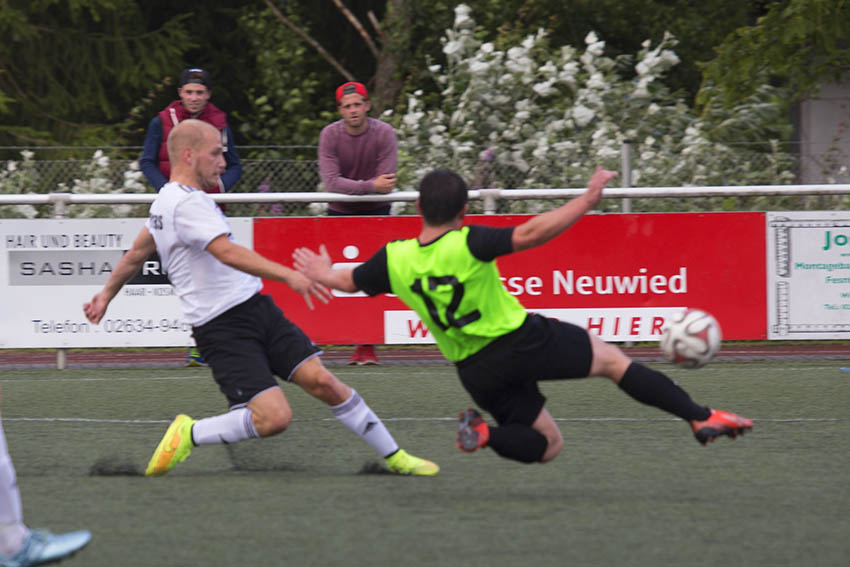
x: 387, y: 83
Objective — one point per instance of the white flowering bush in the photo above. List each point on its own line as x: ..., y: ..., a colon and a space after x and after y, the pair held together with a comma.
x: 100, y: 174
x: 534, y: 116
x: 98, y: 177
x: 19, y: 177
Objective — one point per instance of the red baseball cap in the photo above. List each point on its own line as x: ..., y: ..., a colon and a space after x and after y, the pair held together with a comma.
x: 351, y: 88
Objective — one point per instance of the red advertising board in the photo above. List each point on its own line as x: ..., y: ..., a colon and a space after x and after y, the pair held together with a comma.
x: 618, y: 275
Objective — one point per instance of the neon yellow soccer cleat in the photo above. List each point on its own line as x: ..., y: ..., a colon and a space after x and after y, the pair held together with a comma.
x: 174, y: 448
x: 401, y: 462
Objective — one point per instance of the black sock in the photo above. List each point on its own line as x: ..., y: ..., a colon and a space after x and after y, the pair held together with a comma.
x: 655, y: 389
x: 518, y: 442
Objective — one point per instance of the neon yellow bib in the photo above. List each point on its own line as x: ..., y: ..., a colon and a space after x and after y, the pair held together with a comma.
x: 459, y: 298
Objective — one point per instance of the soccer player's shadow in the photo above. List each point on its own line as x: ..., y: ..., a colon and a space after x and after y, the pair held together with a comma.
x: 261, y: 455
x: 268, y: 456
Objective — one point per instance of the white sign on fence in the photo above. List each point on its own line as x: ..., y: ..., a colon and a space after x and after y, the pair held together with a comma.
x: 49, y: 268
x: 808, y: 279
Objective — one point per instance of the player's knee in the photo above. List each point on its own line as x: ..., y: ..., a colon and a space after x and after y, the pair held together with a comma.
x: 554, y: 444
x: 609, y: 361
x: 327, y: 387
x: 273, y: 422
x: 326, y: 382
x: 548, y: 429
x: 320, y: 383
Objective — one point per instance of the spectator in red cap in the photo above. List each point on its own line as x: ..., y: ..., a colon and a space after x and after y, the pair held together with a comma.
x: 358, y: 156
x: 194, y: 90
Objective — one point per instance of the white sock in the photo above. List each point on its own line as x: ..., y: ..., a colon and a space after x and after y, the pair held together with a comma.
x: 231, y: 427
x: 359, y: 418
x: 12, y: 528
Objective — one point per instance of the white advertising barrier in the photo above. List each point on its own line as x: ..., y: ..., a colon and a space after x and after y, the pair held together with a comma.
x: 808, y: 279
x: 49, y: 268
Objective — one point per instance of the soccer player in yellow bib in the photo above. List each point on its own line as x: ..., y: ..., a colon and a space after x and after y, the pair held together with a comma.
x: 448, y: 275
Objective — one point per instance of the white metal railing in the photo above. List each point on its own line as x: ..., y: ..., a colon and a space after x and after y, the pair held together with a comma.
x: 490, y: 197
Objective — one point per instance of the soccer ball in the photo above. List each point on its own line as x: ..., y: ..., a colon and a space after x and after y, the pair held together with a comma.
x: 691, y: 338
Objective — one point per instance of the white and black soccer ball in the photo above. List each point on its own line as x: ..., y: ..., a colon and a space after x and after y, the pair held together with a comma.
x: 691, y: 338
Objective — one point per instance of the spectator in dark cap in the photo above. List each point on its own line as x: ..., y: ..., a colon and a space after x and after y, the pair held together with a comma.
x: 194, y: 91
x: 358, y: 156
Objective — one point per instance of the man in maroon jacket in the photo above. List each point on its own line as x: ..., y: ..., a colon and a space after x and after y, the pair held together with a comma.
x: 194, y: 90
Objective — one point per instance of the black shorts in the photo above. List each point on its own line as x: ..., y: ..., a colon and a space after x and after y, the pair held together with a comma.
x: 247, y: 345
x: 502, y: 377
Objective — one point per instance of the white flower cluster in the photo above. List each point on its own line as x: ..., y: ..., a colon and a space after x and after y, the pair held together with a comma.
x: 98, y: 175
x: 19, y: 177
x: 545, y: 117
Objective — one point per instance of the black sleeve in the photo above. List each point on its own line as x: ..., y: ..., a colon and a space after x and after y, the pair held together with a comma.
x: 488, y: 243
x: 372, y: 276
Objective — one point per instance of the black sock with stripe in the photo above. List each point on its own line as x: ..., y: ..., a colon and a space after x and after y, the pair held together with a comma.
x: 655, y: 389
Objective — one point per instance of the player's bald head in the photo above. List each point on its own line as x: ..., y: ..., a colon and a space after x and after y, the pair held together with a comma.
x: 190, y: 133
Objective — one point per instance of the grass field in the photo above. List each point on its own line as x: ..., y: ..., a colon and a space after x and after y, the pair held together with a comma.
x: 632, y: 486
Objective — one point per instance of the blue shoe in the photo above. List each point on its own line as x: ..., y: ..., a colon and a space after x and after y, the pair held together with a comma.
x: 194, y: 358
x: 43, y: 547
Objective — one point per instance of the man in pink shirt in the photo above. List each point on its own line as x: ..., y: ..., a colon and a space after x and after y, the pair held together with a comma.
x: 358, y: 156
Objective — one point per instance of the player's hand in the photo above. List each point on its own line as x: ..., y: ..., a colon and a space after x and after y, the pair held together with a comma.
x: 307, y: 287
x: 318, y: 291
x: 384, y: 183
x: 597, y: 183
x: 96, y: 308
x: 312, y: 265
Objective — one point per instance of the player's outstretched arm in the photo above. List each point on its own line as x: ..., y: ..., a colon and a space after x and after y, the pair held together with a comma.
x: 318, y: 267
x: 543, y: 228
x: 129, y: 265
x: 248, y: 261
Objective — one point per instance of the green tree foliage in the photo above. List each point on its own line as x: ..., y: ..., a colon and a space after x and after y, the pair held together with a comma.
x: 291, y: 96
x: 70, y: 70
x: 626, y: 24
x: 217, y: 44
x: 796, y: 44
x: 536, y: 115
x: 96, y: 71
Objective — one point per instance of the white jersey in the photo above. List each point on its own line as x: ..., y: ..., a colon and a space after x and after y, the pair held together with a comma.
x: 183, y: 221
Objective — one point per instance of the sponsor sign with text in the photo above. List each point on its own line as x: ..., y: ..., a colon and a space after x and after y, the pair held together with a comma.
x: 808, y: 278
x: 49, y: 268
x: 618, y: 275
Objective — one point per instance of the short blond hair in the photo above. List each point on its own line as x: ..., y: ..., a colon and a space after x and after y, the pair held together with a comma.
x: 188, y: 134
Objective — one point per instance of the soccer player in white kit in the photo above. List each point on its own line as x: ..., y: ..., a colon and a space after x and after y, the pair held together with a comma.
x: 240, y: 332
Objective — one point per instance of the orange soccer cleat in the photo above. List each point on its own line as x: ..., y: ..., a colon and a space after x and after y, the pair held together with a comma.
x: 472, y: 432
x: 720, y: 423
